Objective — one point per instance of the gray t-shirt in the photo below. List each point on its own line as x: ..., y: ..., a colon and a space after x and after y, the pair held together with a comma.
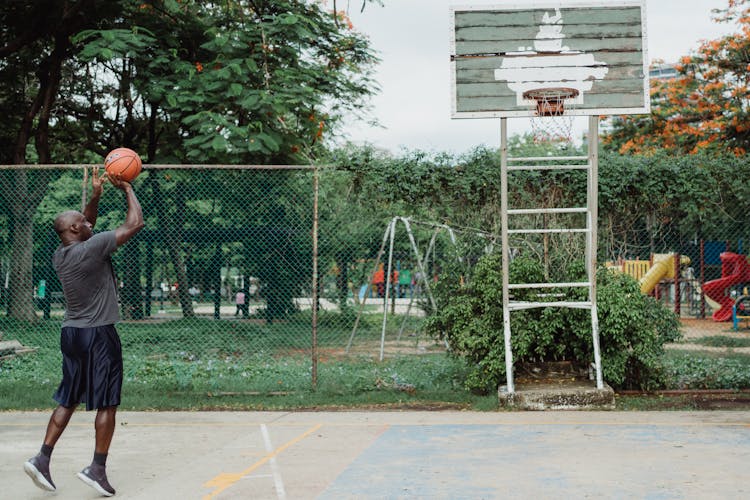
x: 88, y: 281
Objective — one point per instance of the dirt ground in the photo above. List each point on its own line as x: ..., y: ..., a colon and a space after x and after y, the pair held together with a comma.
x: 696, y: 328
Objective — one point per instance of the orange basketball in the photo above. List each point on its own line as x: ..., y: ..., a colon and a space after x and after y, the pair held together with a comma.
x: 123, y: 161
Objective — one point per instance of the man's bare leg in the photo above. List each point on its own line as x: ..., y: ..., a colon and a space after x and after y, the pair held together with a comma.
x: 58, y: 421
x: 38, y: 467
x: 105, y: 428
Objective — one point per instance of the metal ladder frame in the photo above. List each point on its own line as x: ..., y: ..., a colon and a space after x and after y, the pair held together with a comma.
x: 591, y: 211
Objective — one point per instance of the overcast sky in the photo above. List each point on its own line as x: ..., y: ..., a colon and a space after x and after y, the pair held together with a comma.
x: 412, y: 38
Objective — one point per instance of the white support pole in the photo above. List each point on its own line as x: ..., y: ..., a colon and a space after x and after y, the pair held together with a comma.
x: 505, y: 252
x: 406, y: 317
x: 419, y: 263
x: 593, y: 205
x: 423, y: 264
x: 455, y: 245
x: 369, y: 284
x: 387, y: 287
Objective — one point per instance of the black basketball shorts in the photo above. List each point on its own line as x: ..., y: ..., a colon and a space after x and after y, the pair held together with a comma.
x: 91, y: 367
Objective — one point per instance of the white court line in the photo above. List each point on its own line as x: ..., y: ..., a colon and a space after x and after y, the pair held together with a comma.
x: 226, y: 479
x: 277, y: 481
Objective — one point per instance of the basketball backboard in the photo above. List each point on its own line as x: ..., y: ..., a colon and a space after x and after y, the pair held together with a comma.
x: 598, y: 48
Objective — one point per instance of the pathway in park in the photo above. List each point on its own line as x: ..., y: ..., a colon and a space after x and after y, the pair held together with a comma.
x: 436, y: 455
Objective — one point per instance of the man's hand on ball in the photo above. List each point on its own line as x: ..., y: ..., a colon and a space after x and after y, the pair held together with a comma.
x: 116, y: 180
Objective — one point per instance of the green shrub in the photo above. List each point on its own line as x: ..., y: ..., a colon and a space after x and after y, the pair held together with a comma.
x: 633, y: 328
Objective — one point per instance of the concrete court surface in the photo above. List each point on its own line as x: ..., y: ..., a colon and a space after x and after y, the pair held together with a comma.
x: 389, y: 455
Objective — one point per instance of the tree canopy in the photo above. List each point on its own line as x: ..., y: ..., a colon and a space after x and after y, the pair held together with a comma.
x: 705, y: 107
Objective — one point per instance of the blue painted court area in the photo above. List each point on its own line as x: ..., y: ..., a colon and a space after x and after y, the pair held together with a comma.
x: 576, y: 460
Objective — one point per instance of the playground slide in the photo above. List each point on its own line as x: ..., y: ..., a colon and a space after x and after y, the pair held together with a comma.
x: 734, y: 270
x: 715, y: 290
x: 654, y: 275
x: 663, y: 267
x: 711, y: 302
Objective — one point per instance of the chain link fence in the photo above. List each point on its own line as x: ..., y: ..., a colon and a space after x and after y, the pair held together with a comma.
x: 218, y: 291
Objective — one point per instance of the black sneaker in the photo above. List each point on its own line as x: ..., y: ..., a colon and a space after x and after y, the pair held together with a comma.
x: 96, y: 477
x: 38, y: 470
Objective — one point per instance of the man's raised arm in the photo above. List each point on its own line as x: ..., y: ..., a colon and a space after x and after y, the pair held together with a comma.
x: 134, y: 219
x: 91, y: 211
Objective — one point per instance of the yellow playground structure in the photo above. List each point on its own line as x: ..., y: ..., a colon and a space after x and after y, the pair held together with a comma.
x: 650, y: 273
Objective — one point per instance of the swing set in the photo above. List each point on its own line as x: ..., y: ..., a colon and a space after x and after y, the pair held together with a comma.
x: 422, y: 260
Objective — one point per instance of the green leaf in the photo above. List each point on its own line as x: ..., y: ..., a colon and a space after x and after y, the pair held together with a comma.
x: 250, y: 101
x: 235, y: 89
x: 269, y: 142
x: 251, y: 64
x: 254, y: 145
x: 219, y: 143
x: 288, y: 19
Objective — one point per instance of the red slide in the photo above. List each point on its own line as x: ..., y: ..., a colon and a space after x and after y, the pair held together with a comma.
x: 734, y: 270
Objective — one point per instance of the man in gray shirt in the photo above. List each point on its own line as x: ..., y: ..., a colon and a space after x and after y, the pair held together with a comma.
x: 90, y: 345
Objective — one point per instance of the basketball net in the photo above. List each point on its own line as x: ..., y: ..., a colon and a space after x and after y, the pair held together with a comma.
x: 551, y: 120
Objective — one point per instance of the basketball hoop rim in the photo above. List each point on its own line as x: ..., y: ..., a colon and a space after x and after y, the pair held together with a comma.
x: 551, y: 121
x: 551, y: 93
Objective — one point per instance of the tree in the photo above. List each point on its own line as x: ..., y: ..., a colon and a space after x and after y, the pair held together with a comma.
x: 705, y: 108
x: 35, y: 49
x: 242, y: 82
x: 237, y: 82
x: 246, y: 82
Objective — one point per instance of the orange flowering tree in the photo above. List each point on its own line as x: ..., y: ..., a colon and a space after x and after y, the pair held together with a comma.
x: 705, y: 107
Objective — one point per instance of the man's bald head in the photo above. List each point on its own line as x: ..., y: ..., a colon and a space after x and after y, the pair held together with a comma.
x: 72, y: 226
x: 64, y: 220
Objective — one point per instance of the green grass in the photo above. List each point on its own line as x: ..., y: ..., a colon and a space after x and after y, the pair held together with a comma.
x: 722, y: 341
x: 706, y: 370
x: 427, y: 381
x: 197, y: 337
x: 205, y: 364
x: 201, y: 363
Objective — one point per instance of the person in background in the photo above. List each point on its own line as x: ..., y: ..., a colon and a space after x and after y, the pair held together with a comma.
x: 378, y: 279
x: 246, y: 303
x: 418, y: 278
x: 239, y: 301
x: 92, y: 354
x: 404, y: 282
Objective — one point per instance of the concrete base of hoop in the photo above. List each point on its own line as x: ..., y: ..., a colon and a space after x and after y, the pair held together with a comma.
x: 568, y: 396
x: 556, y: 389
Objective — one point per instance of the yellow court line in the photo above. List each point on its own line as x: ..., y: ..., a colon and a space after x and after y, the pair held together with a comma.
x: 225, y: 480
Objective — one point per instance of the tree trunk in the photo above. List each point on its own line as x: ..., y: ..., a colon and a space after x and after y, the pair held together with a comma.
x: 342, y: 280
x: 186, y: 303
x: 174, y: 237
x: 20, y: 286
x: 149, y: 270
x: 26, y: 192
